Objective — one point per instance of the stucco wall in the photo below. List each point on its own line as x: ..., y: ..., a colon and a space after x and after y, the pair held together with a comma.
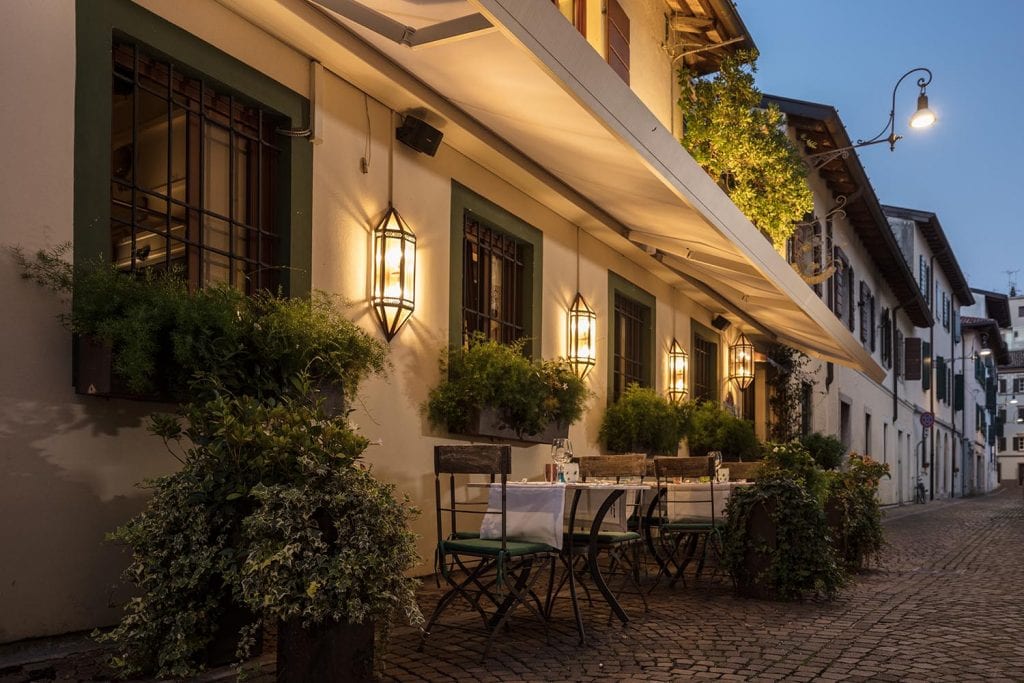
x: 70, y: 464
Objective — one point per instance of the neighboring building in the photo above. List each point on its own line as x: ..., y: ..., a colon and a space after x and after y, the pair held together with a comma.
x: 984, y: 327
x: 889, y: 275
x: 852, y: 261
x: 558, y: 159
x: 983, y: 420
x: 944, y: 287
x: 1010, y: 442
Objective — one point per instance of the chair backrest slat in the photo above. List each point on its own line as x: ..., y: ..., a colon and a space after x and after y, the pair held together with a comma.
x: 492, y: 460
x: 488, y: 459
x: 687, y: 468
x: 629, y: 465
x: 743, y: 470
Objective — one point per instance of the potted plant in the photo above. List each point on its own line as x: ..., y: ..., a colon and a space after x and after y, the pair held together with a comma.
x: 853, y: 511
x: 644, y: 421
x: 492, y: 389
x: 776, y: 540
x: 228, y: 539
x: 714, y: 429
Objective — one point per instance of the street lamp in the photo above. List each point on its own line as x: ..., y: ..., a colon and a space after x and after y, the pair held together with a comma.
x: 923, y: 117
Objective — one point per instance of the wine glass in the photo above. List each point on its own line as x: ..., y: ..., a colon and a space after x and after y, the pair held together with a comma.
x: 561, y: 453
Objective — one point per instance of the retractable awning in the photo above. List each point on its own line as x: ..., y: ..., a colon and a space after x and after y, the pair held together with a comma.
x: 556, y: 108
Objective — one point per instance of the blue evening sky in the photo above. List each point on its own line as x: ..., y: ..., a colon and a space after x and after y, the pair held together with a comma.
x: 967, y: 167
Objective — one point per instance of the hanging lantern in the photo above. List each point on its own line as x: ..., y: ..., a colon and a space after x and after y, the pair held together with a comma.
x: 678, y: 366
x: 741, y: 362
x: 581, y: 354
x: 394, y: 272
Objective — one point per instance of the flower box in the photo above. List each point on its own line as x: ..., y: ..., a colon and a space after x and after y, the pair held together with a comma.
x: 487, y: 422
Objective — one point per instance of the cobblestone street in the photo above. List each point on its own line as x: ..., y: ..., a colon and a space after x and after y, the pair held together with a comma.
x: 944, y: 604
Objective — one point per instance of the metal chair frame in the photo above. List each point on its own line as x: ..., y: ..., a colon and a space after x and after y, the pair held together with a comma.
x: 493, y: 583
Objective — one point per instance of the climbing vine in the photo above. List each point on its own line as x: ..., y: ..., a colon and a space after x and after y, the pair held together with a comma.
x: 786, y: 378
x: 744, y: 147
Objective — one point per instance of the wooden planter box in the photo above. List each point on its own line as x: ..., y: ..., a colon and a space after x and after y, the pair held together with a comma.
x: 488, y: 423
x: 761, y: 533
x: 93, y: 370
x: 325, y: 652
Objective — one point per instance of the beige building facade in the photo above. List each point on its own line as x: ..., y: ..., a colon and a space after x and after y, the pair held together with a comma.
x: 547, y: 143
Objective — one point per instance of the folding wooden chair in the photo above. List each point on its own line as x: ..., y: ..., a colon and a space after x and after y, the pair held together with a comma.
x: 673, y: 537
x: 493, y: 576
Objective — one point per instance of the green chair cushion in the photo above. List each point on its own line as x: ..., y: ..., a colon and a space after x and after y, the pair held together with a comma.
x: 492, y: 547
x: 605, y: 537
x: 690, y: 524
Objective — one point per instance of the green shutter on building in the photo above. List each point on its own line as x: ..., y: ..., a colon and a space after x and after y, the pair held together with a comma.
x: 940, y: 378
x: 958, y: 391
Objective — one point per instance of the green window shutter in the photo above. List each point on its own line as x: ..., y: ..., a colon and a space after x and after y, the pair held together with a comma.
x: 940, y: 378
x: 990, y: 395
x: 912, y: 358
x: 958, y: 391
x: 926, y: 366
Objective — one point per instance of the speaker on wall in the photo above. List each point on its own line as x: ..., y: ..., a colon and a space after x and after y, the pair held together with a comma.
x: 720, y: 322
x: 418, y: 134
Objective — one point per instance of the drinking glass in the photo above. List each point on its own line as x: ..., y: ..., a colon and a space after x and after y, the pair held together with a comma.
x: 561, y: 453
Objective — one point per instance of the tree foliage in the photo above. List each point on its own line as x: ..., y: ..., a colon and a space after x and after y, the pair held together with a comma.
x: 744, y: 147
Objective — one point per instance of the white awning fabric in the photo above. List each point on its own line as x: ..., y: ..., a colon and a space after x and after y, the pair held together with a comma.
x: 544, y: 93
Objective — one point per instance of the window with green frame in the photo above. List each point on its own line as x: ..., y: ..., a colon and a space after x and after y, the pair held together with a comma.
x: 495, y: 273
x: 179, y: 158
x: 704, y: 360
x: 631, y: 335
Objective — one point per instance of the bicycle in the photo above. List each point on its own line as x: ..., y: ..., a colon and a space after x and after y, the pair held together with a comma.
x: 919, y: 493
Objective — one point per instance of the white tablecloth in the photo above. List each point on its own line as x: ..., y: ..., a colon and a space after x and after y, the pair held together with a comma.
x: 533, y: 512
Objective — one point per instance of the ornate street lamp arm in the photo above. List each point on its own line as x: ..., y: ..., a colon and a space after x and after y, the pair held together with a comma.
x: 890, y: 126
x: 888, y: 133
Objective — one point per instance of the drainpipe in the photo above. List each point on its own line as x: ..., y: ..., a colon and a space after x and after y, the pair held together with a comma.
x: 931, y: 390
x: 963, y: 412
x: 952, y: 414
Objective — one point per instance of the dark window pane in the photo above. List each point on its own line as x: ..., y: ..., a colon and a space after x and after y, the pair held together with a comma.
x: 632, y: 338
x: 193, y: 176
x: 492, y: 282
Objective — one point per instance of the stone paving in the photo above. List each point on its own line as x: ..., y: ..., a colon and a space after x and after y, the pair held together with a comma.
x: 945, y: 603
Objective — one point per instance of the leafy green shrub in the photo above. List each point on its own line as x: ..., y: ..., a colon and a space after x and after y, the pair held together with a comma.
x: 342, y: 566
x: 791, y: 460
x: 233, y: 527
x: 776, y: 542
x: 172, y: 342
x: 527, y: 394
x: 826, y: 449
x: 854, y: 512
x: 644, y: 421
x: 714, y: 429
